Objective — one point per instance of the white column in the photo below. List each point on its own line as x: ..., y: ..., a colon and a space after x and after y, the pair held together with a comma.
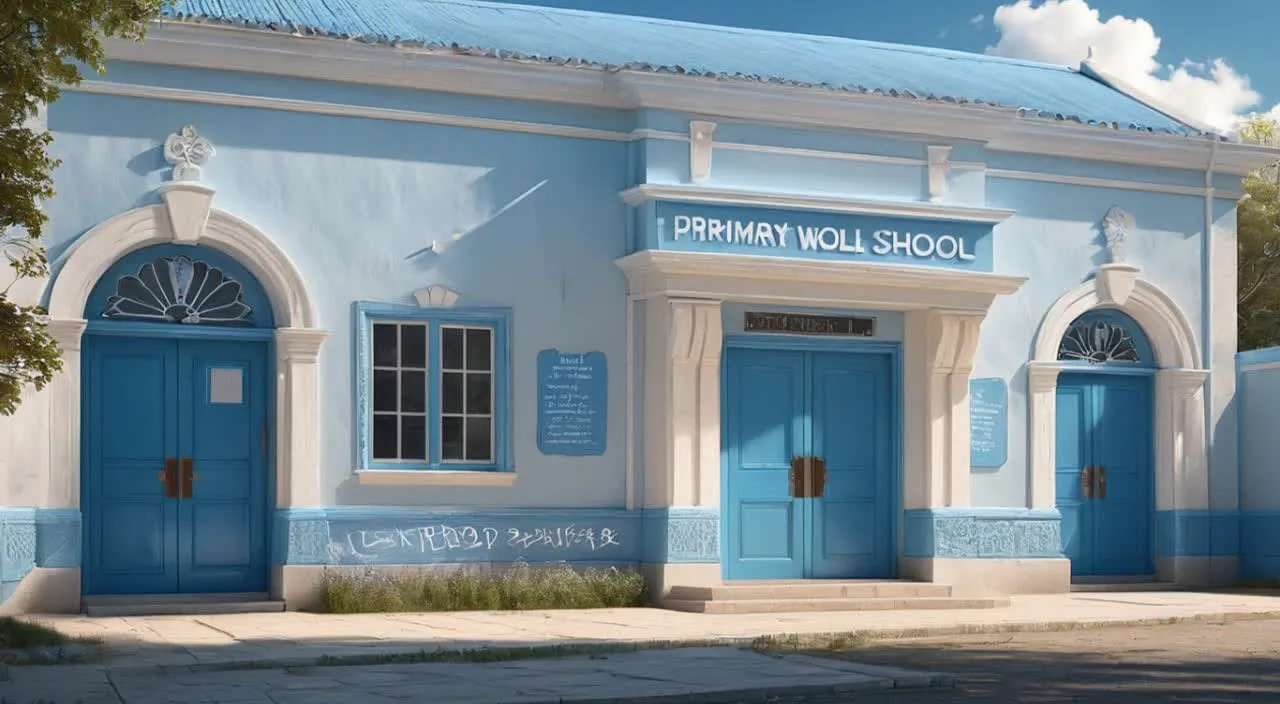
x: 298, y: 417
x: 1042, y: 412
x: 1182, y: 470
x: 940, y: 347
x: 693, y: 425
x: 64, y: 418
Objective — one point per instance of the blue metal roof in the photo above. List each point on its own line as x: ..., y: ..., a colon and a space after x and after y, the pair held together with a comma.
x: 572, y: 37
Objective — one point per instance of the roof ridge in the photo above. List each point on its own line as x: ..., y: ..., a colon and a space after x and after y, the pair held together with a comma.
x: 756, y: 31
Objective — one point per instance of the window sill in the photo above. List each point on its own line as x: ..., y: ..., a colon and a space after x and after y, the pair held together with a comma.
x: 434, y: 477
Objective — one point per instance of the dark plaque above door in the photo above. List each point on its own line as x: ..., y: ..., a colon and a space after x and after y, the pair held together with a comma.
x: 800, y: 324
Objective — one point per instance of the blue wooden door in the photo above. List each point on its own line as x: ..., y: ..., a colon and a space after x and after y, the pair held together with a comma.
x: 1104, y: 422
x: 766, y: 424
x: 147, y: 400
x: 781, y: 404
x: 851, y: 523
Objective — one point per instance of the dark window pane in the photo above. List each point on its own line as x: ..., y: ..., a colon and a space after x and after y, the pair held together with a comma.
x: 413, y: 346
x: 451, y: 401
x: 478, y: 439
x: 413, y: 392
x: 479, y: 346
x: 384, y: 345
x: 478, y: 400
x: 413, y: 437
x: 385, y: 390
x: 451, y: 438
x: 451, y: 347
x: 384, y: 437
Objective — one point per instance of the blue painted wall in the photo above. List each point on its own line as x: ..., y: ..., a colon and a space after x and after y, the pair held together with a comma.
x: 351, y: 200
x: 1258, y: 401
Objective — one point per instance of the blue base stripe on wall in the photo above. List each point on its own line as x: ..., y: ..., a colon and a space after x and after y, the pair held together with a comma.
x: 376, y: 536
x: 983, y: 533
x: 1260, y: 545
x: 36, y: 538
x: 1201, y: 533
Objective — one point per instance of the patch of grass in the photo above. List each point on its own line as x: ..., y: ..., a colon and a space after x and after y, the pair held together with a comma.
x: 532, y: 652
x: 518, y: 588
x: 16, y: 633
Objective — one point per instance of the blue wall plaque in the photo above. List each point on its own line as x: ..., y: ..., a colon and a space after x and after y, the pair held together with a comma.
x: 573, y: 399
x: 988, y: 423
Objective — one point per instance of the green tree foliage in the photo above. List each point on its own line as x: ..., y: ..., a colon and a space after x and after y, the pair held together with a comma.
x: 42, y: 43
x: 1258, y: 237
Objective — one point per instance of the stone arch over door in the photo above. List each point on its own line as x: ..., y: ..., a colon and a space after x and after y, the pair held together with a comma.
x: 1181, y: 467
x: 186, y: 216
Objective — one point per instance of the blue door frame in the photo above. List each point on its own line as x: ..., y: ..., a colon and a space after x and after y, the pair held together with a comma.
x: 232, y: 450
x: 1104, y: 422
x: 767, y: 486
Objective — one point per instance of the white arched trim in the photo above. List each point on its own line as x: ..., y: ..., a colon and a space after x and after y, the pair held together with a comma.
x: 1181, y: 467
x: 186, y: 216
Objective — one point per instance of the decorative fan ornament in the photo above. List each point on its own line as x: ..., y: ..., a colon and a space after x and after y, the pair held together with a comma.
x: 1098, y: 343
x: 179, y: 290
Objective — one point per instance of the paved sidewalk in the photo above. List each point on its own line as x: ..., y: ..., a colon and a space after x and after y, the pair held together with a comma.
x: 697, y: 674
x: 196, y: 642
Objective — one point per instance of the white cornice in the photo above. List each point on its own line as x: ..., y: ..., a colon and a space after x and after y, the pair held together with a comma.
x: 726, y: 196
x: 756, y: 268
x: 265, y: 52
x: 1108, y: 183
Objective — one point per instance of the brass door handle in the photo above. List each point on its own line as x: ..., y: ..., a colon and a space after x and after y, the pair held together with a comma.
x: 795, y: 477
x: 1100, y: 477
x: 188, y: 476
x: 169, y: 477
x: 819, y: 465
x: 1086, y: 482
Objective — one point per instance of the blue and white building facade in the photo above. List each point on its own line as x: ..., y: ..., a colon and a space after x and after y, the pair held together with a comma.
x: 535, y: 284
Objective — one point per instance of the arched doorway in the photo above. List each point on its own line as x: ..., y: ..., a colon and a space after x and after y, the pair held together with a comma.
x: 1104, y: 451
x: 175, y: 436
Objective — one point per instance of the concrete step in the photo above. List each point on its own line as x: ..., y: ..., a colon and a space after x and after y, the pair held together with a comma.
x: 763, y: 606
x: 180, y: 604
x: 811, y: 589
x: 1122, y: 587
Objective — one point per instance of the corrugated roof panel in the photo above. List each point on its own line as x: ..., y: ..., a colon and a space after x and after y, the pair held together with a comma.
x: 567, y: 36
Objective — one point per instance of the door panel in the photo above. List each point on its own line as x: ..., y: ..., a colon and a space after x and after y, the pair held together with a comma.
x: 1071, y: 456
x: 1104, y: 422
x: 852, y: 432
x: 834, y: 406
x: 146, y: 400
x: 766, y: 427
x: 130, y: 419
x: 222, y: 528
x: 1122, y: 448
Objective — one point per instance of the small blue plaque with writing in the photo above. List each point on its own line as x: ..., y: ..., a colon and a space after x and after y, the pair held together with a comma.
x: 988, y: 423
x: 573, y: 399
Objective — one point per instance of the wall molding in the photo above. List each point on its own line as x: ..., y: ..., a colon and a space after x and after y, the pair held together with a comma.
x: 1109, y: 184
x: 184, y: 95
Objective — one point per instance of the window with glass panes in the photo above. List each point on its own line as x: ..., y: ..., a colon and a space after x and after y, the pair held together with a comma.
x: 432, y: 381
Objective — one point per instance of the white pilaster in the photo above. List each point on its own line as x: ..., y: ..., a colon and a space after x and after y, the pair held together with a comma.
x: 693, y: 465
x: 298, y: 417
x: 64, y: 417
x: 1042, y: 411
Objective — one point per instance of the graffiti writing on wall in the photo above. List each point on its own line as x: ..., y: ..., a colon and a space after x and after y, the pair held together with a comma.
x: 454, y: 541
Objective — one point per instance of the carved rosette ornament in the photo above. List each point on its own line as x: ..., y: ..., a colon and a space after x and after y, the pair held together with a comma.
x: 187, y: 151
x: 1116, y: 226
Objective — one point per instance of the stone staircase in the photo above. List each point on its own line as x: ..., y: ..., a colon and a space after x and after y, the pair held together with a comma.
x: 821, y: 595
x: 180, y: 604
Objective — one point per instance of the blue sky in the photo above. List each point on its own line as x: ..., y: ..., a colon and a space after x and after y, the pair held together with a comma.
x: 1209, y: 65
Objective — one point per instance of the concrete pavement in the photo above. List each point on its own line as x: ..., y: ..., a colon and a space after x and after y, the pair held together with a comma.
x: 295, y: 638
x: 692, y: 674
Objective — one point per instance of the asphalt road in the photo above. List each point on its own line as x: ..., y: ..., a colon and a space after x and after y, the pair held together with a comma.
x: 1234, y: 662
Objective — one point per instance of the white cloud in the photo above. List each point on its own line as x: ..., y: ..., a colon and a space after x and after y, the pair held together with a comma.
x: 1062, y: 32
x: 977, y: 20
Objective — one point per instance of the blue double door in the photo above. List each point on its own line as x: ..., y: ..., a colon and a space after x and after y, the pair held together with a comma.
x: 174, y: 443
x: 808, y: 453
x: 1103, y: 473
